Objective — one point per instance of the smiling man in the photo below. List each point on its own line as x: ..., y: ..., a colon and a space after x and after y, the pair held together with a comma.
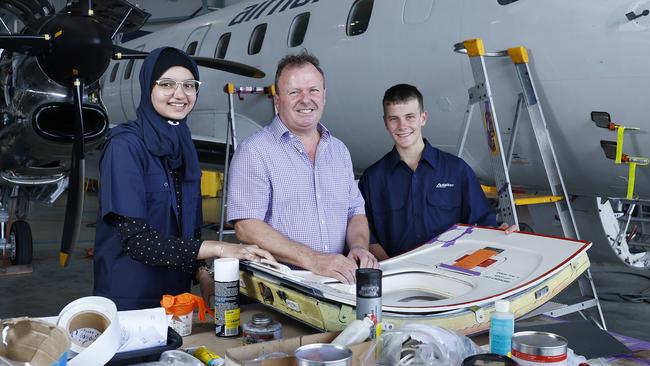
x: 291, y: 189
x: 416, y: 191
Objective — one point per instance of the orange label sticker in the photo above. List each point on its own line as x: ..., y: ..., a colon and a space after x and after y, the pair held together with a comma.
x: 474, y: 259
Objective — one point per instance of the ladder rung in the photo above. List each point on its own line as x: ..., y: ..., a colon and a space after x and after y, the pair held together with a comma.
x: 522, y: 199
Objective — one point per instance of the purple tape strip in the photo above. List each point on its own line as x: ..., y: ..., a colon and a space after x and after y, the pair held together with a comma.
x: 448, y: 243
x: 459, y: 269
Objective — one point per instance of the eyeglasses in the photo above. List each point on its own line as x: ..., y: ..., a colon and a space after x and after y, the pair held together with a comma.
x: 169, y: 86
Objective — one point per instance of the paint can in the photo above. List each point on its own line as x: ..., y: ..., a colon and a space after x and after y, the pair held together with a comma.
x: 323, y: 354
x: 261, y: 328
x: 226, y: 297
x: 539, y: 349
x: 369, y: 298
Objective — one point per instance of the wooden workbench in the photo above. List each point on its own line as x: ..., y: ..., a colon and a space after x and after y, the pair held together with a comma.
x: 203, y: 333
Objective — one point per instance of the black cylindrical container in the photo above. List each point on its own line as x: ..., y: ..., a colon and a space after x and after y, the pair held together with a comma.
x: 369, y: 297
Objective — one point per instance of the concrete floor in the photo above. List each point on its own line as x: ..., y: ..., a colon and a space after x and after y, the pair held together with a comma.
x: 49, y: 288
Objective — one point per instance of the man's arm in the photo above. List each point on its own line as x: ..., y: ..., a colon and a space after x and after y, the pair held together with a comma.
x: 378, y: 251
x: 254, y: 231
x: 357, y: 238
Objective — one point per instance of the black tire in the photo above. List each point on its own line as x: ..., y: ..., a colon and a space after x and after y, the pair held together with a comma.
x: 22, y: 236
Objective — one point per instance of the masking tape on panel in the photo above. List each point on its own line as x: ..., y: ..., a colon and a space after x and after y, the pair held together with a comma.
x: 93, y: 325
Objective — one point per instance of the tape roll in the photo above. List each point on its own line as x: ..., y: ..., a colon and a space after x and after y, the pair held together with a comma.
x: 94, y: 327
x: 226, y: 269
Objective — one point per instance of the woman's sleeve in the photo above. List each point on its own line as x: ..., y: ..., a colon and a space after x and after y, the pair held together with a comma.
x: 144, y: 244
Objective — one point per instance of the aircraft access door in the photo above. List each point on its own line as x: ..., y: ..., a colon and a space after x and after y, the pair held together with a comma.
x: 130, y: 87
x: 195, y: 40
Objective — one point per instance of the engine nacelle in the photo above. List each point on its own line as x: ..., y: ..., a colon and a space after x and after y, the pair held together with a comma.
x: 38, y: 133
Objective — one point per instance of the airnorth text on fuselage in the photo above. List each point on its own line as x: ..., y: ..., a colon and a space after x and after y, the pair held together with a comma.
x: 256, y: 10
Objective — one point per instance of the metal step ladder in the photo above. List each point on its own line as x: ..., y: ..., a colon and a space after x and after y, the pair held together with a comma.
x: 481, y: 94
x: 231, y: 136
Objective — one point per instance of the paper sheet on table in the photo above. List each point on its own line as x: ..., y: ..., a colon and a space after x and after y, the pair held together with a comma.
x: 143, y: 329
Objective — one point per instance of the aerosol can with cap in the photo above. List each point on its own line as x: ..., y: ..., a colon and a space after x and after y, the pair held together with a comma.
x: 369, y: 298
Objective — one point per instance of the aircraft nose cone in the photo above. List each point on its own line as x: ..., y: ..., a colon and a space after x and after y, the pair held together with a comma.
x: 81, y: 47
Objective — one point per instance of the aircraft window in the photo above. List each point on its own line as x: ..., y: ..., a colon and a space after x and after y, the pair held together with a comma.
x: 256, y: 40
x: 222, y: 46
x: 298, y: 29
x: 506, y: 2
x: 359, y: 17
x: 114, y: 72
x: 129, y: 69
x: 191, y: 48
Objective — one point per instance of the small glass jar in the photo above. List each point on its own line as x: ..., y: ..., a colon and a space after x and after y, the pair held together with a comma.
x: 261, y: 328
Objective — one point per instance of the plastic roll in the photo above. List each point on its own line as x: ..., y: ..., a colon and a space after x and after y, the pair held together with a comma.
x: 93, y: 325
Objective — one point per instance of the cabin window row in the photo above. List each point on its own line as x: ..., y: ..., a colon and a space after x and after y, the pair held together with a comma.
x: 357, y: 23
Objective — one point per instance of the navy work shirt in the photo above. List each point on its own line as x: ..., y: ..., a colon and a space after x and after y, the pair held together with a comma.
x: 135, y: 183
x: 406, y: 208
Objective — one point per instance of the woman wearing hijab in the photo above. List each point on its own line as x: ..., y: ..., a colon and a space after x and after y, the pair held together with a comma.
x: 147, y: 240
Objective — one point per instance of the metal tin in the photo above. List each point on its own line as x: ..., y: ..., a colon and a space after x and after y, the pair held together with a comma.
x: 323, y: 354
x: 261, y: 328
x: 539, y: 348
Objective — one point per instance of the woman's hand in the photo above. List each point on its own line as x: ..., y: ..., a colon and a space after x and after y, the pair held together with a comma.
x: 245, y: 252
x: 220, y: 249
x: 206, y: 285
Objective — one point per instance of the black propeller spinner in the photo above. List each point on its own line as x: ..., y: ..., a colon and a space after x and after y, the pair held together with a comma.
x: 74, y: 48
x: 80, y: 47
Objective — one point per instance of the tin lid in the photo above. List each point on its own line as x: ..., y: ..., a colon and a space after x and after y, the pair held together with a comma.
x: 368, y: 282
x: 539, y: 343
x: 323, y: 353
x: 261, y: 319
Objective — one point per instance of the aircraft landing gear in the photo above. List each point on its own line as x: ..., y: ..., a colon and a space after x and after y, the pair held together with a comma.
x: 20, y: 243
x: 15, y: 238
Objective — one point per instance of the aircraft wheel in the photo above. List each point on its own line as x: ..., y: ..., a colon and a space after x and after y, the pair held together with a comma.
x: 20, y: 236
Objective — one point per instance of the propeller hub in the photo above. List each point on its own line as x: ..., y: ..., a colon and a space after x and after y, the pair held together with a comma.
x: 80, y: 48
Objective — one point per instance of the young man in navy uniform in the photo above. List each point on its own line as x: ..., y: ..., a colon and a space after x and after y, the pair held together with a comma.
x: 415, y: 192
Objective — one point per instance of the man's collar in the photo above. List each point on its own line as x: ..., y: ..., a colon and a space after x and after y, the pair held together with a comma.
x: 429, y: 154
x: 279, y: 129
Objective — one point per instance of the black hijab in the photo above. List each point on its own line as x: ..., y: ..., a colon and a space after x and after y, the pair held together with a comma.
x: 170, y: 141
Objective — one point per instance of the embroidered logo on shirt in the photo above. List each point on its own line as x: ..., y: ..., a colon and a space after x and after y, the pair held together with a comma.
x: 445, y: 185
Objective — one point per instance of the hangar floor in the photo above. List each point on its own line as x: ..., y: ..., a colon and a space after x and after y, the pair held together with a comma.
x: 49, y: 288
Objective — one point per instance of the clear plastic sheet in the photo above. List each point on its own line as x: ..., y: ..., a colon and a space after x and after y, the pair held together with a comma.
x: 420, y: 345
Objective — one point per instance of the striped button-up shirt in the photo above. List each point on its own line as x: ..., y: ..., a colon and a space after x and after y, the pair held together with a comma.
x: 272, y: 179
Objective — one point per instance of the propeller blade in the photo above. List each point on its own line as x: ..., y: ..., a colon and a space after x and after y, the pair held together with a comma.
x: 229, y: 66
x: 75, y: 201
x: 122, y: 53
x: 28, y: 44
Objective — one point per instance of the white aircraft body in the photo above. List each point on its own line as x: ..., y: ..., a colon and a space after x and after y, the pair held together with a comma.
x: 586, y: 55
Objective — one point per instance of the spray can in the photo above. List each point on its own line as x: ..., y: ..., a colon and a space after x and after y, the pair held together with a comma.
x: 369, y: 298
x: 226, y: 293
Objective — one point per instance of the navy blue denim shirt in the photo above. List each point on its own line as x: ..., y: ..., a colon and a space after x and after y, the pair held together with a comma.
x: 405, y: 208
